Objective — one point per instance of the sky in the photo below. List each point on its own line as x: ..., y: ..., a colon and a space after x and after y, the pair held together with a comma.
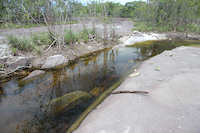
x: 121, y: 1
x: 118, y: 1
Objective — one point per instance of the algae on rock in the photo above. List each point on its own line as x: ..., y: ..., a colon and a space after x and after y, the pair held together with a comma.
x: 68, y: 101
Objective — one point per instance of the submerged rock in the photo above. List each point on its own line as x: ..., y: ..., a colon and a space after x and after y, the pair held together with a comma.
x: 68, y: 101
x: 96, y: 91
x: 33, y: 75
x: 54, y: 61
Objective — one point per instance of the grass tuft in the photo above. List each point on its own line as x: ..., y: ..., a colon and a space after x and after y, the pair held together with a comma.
x: 29, y: 44
x: 70, y: 37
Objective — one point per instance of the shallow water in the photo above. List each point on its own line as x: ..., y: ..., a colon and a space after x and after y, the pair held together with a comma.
x: 24, y: 106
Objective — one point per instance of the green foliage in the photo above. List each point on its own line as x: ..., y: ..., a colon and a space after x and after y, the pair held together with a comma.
x: 14, y: 51
x: 84, y: 35
x: 13, y: 25
x: 145, y: 27
x: 170, y: 15
x: 1, y: 66
x: 41, y: 39
x: 70, y: 37
x: 23, y: 44
x: 29, y: 44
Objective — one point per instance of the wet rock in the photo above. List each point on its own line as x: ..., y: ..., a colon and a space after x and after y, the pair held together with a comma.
x: 140, y: 37
x: 54, y: 61
x: 135, y: 74
x: 13, y: 63
x: 34, y: 75
x: 96, y: 91
x: 68, y: 101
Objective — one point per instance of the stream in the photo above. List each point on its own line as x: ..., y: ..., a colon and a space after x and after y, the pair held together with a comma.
x: 51, y: 102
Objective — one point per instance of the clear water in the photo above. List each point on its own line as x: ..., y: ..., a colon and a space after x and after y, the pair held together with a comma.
x: 24, y: 105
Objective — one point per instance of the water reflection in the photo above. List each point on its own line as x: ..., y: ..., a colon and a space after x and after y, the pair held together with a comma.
x: 24, y: 106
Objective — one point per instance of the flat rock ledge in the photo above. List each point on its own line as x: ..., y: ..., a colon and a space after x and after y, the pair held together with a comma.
x: 172, y: 105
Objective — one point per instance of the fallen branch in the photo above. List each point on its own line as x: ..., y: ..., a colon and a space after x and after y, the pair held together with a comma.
x: 51, y: 45
x: 121, y: 92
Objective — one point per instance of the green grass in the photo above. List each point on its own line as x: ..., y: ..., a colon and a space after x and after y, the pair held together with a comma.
x: 84, y: 35
x: 41, y: 39
x: 12, y: 25
x: 1, y: 66
x: 29, y: 44
x: 16, y: 26
x: 70, y: 37
x: 23, y: 44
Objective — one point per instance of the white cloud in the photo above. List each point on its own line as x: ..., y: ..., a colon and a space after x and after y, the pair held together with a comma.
x: 116, y: 1
x: 122, y: 1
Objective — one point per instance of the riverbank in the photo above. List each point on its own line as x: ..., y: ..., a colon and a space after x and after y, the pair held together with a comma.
x: 12, y: 65
x: 11, y: 62
x: 171, y: 79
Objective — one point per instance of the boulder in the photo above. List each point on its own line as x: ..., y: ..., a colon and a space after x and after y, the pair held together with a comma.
x: 68, y: 101
x: 55, y: 61
x: 37, y: 63
x: 13, y: 63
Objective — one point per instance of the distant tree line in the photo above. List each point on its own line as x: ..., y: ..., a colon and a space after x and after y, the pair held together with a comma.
x: 172, y: 14
x: 32, y: 11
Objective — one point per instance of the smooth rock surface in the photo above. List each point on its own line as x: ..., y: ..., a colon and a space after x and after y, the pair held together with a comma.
x: 140, y: 37
x: 33, y: 75
x: 54, y: 61
x: 15, y: 62
x: 172, y: 105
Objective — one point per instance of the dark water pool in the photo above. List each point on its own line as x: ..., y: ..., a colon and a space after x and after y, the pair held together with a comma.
x: 26, y: 106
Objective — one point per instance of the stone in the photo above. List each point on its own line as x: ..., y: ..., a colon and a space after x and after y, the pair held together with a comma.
x: 37, y: 63
x: 34, y: 75
x: 18, y: 62
x: 96, y: 91
x: 135, y: 74
x: 68, y: 101
x: 170, y: 106
x: 55, y: 61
